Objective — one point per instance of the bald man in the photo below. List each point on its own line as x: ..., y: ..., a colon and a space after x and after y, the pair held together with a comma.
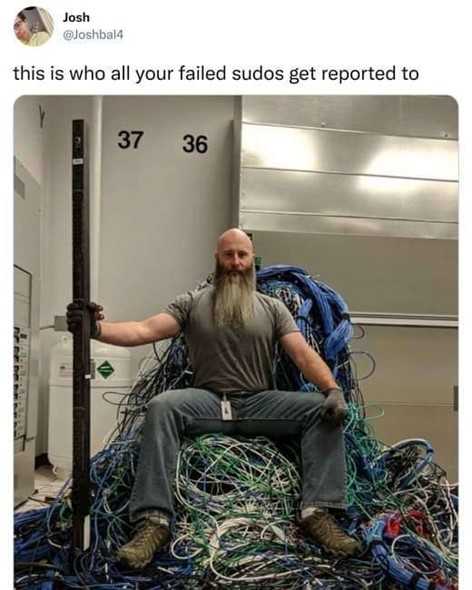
x: 231, y: 331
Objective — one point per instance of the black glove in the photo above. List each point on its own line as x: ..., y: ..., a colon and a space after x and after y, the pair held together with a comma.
x: 334, y: 409
x: 74, y: 317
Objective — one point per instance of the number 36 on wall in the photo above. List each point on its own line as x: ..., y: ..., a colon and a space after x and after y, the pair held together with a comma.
x: 192, y: 143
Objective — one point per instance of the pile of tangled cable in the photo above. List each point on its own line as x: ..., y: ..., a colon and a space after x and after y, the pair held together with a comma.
x: 238, y: 498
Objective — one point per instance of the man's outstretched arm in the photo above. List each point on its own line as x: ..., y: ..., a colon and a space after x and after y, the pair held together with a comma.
x: 308, y: 361
x: 152, y: 329
x: 317, y: 371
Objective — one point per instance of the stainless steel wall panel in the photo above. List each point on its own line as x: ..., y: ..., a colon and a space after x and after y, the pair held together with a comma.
x: 430, y: 352
x: 361, y: 226
x: 338, y: 152
x: 360, y: 196
x: 436, y: 424
x: 405, y: 319
x: 413, y: 383
x: 415, y: 116
x: 374, y: 274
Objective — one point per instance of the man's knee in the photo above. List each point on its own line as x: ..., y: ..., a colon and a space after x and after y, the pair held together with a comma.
x: 309, y: 404
x: 305, y: 399
x: 166, y: 402
x: 314, y: 396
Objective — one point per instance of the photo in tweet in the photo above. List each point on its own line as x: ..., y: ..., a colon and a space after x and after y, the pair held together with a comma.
x: 259, y: 294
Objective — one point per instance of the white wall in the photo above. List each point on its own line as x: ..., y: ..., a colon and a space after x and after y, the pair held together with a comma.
x: 29, y: 137
x: 162, y: 209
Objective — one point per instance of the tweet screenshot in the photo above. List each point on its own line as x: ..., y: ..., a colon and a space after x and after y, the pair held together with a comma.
x: 231, y: 266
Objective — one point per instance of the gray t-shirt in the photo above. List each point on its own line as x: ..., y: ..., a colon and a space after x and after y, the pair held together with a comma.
x: 231, y: 360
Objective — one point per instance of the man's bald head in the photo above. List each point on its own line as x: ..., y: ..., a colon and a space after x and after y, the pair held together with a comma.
x: 234, y: 250
x: 234, y: 236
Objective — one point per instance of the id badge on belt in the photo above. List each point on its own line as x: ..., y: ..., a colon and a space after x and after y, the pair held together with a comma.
x: 226, y: 412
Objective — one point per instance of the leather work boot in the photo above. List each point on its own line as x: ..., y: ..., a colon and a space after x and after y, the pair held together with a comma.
x: 138, y: 552
x: 324, y: 529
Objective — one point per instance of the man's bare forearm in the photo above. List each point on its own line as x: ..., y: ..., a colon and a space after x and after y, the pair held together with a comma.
x: 122, y: 333
x: 318, y: 372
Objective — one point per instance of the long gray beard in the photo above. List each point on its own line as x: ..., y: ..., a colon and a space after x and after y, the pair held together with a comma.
x: 233, y: 303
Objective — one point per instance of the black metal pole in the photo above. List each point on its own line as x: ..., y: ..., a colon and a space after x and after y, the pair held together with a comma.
x: 81, y: 337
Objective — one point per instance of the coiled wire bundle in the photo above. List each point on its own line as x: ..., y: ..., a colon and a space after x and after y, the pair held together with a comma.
x: 237, y: 498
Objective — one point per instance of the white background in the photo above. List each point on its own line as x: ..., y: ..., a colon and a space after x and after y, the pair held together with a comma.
x: 429, y: 36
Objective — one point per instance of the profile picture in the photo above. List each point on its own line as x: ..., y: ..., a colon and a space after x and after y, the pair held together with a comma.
x: 33, y: 26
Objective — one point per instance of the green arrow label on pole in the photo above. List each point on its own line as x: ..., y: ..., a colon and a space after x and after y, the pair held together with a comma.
x: 105, y: 369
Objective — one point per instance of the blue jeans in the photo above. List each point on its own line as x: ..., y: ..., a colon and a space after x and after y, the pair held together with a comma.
x: 189, y: 412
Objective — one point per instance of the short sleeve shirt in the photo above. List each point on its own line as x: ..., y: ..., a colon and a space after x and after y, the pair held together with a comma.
x: 228, y: 360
